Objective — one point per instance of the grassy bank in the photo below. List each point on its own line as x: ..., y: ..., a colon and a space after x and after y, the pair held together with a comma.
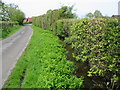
x: 44, y: 65
x: 9, y: 31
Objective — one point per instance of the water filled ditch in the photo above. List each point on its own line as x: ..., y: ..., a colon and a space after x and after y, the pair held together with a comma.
x: 82, y: 69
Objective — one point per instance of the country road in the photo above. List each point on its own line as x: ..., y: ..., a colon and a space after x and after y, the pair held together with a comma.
x: 12, y: 48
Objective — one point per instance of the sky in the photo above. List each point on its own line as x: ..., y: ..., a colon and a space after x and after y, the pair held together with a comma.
x: 81, y: 7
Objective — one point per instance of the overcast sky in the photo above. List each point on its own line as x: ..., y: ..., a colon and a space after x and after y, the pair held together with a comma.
x: 82, y: 7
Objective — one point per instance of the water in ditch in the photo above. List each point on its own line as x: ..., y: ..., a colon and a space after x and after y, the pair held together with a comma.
x: 82, y: 69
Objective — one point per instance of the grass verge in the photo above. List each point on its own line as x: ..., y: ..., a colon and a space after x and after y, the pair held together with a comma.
x: 44, y: 65
x: 10, y: 31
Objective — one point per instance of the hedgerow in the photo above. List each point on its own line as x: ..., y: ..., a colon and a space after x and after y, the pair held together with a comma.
x: 96, y: 41
x: 44, y: 65
x: 6, y: 28
x: 62, y: 27
x: 48, y: 20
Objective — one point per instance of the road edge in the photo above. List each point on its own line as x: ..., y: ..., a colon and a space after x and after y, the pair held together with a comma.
x: 20, y: 54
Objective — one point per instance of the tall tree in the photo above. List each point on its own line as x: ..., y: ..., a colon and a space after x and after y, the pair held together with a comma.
x: 97, y: 13
x: 66, y: 12
x: 90, y: 15
x: 15, y: 14
x: 11, y: 12
x: 3, y: 12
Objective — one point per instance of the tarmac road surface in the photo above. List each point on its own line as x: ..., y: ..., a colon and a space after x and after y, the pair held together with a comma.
x: 11, y: 49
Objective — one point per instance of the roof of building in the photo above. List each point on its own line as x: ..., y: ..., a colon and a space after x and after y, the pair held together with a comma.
x: 28, y: 20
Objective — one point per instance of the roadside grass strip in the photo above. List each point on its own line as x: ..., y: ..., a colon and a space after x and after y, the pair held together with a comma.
x: 44, y: 65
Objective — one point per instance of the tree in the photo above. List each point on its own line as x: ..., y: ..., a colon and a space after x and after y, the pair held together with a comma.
x: 3, y: 12
x: 66, y: 12
x: 97, y: 13
x: 15, y: 14
x: 90, y: 15
x: 11, y: 12
x: 19, y: 16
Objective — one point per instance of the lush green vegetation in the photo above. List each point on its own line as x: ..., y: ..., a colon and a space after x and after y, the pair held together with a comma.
x: 11, y: 13
x: 44, y: 65
x: 62, y: 27
x: 11, y: 31
x: 48, y: 20
x: 10, y: 18
x: 8, y: 28
x: 95, y: 41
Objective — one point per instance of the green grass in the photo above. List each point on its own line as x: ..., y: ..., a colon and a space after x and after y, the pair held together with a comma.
x: 44, y: 65
x: 10, y: 31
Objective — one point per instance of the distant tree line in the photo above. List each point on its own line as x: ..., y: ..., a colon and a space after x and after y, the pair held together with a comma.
x: 11, y: 12
x: 96, y: 14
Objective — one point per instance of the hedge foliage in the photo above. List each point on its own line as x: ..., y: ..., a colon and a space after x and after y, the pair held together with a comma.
x: 6, y: 25
x: 96, y: 41
x: 48, y: 20
x: 5, y: 28
x: 62, y: 27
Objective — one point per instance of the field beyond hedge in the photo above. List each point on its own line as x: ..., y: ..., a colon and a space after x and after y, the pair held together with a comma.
x: 44, y: 65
